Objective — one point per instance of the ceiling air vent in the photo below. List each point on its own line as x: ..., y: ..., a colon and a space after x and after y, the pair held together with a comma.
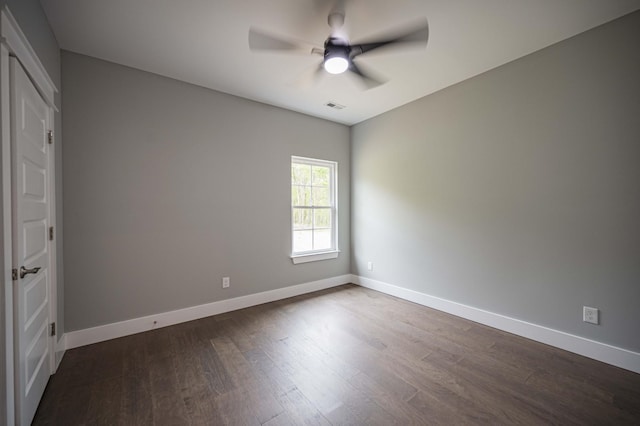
x: 335, y: 105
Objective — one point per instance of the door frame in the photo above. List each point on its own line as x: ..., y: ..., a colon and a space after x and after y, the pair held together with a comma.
x: 13, y: 42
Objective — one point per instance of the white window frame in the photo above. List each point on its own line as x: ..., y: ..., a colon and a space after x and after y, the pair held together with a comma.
x: 324, y: 254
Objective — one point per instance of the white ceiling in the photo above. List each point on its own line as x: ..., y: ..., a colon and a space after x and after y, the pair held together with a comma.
x: 204, y: 42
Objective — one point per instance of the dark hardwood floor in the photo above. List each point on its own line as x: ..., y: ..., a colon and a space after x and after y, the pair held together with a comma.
x: 342, y: 356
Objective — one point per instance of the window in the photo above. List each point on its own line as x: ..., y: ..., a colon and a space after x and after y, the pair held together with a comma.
x: 313, y: 209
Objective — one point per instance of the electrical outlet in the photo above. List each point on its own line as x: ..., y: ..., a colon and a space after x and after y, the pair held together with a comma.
x: 226, y: 282
x: 590, y: 315
x: 370, y: 266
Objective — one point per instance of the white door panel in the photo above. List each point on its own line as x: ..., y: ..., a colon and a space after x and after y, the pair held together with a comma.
x: 30, y: 183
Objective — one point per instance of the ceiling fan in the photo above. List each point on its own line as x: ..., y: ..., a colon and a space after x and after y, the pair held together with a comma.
x: 339, y: 55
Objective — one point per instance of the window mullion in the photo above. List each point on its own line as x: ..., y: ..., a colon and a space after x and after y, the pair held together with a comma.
x: 313, y: 216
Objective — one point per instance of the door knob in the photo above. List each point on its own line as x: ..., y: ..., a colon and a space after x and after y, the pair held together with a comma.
x: 24, y: 271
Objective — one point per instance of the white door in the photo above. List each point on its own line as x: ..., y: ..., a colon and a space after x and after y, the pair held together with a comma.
x: 30, y: 201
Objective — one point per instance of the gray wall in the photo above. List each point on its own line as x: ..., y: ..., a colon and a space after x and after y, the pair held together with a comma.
x: 33, y: 22
x: 517, y: 191
x: 169, y: 187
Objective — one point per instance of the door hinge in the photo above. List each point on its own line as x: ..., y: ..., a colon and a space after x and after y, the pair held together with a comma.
x: 50, y: 136
x: 14, y: 274
x: 52, y: 328
x: 51, y: 233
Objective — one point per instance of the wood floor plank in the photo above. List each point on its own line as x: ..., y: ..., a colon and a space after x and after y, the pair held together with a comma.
x: 283, y: 419
x: 434, y: 412
x: 598, y: 404
x: 256, y: 395
x: 338, y: 401
x: 378, y: 392
x: 483, y: 391
x: 518, y: 396
x: 105, y: 403
x: 345, y: 355
x: 299, y: 408
x: 197, y: 390
x: 136, y: 393
x: 168, y: 406
x: 367, y: 360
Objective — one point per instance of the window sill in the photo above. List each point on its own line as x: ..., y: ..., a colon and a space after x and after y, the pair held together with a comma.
x: 314, y: 257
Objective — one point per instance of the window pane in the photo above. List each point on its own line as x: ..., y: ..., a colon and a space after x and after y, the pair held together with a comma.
x: 322, y: 239
x: 320, y: 176
x: 321, y: 197
x: 302, y: 218
x: 313, y: 205
x: 302, y: 241
x: 300, y: 174
x: 322, y: 218
x: 300, y: 195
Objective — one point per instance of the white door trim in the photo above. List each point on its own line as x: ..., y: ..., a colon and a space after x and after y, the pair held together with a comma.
x: 7, y: 248
x: 14, y: 42
x: 19, y: 46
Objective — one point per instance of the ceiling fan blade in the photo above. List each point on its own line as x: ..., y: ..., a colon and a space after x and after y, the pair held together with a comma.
x: 417, y: 34
x: 366, y: 77
x: 260, y: 40
x: 310, y: 77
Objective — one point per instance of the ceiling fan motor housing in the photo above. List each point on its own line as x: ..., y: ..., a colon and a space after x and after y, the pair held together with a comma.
x: 336, y: 47
x: 337, y: 55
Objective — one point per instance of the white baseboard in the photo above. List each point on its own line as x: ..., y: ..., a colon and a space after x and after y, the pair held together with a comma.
x: 101, y: 333
x: 613, y: 355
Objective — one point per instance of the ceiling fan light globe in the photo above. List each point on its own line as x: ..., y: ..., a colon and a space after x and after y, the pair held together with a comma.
x: 336, y: 65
